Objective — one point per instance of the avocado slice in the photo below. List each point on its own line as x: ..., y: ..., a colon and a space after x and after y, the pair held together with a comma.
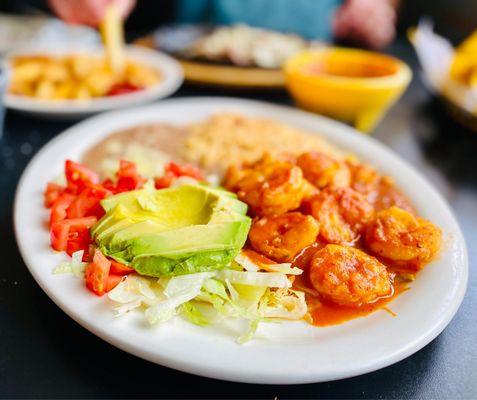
x: 191, y: 228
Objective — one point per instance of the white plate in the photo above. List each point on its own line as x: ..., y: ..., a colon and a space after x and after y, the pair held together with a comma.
x: 283, y: 353
x: 170, y: 70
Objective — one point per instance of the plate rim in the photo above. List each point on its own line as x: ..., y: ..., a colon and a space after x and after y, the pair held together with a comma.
x: 411, y: 348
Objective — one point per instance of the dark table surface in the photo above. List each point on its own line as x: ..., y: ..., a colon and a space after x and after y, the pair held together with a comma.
x: 44, y: 353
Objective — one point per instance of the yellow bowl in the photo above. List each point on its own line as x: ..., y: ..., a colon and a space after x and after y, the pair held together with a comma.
x: 352, y: 85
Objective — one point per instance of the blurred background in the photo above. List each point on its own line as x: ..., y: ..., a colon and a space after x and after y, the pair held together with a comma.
x: 454, y: 19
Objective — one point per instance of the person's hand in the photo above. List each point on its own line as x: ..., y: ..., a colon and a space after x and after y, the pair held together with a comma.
x: 88, y: 12
x: 366, y: 22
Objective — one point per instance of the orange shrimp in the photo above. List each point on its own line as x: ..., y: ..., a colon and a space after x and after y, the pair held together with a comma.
x: 364, y: 179
x: 270, y: 188
x: 323, y: 170
x: 342, y: 213
x: 282, y: 237
x: 348, y: 276
x: 398, y: 235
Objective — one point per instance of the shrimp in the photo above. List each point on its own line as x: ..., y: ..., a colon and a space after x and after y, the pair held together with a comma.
x: 389, y: 195
x: 236, y: 172
x: 233, y: 175
x: 398, y: 235
x: 309, y: 191
x: 342, y: 213
x: 380, y: 191
x: 348, y: 276
x: 270, y: 188
x: 282, y: 237
x: 324, y: 171
x: 364, y: 179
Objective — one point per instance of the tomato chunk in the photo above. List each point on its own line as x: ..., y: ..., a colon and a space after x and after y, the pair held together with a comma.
x: 87, y: 202
x: 123, y: 88
x: 128, y: 177
x: 113, y: 281
x: 97, y: 272
x: 184, y: 170
x: 79, y: 239
x: 52, y: 192
x: 173, y: 171
x: 108, y: 184
x: 70, y: 229
x: 78, y: 176
x: 120, y: 269
x: 59, y: 207
x: 165, y: 181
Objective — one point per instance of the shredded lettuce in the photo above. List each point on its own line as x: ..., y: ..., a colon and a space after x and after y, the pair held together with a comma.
x: 286, y: 304
x: 249, y: 265
x: 190, y: 311
x: 178, y: 291
x: 246, y: 263
x: 213, y: 286
x: 239, y: 291
x: 250, y: 333
x: 75, y: 266
x: 268, y: 279
x: 132, y: 292
x: 186, y: 283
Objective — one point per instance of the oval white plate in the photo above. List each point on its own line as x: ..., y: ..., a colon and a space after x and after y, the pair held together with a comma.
x: 283, y: 353
x: 170, y: 70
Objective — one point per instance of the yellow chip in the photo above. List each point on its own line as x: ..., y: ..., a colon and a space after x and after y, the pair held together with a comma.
x: 113, y: 37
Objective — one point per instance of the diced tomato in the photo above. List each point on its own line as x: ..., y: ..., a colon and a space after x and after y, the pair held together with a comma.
x: 78, y: 176
x: 173, y: 171
x: 113, y: 281
x: 59, y: 235
x: 79, y: 239
x: 87, y: 202
x: 108, y: 184
x: 120, y: 269
x: 52, y: 192
x: 184, y: 170
x: 123, y: 88
x: 67, y: 229
x: 89, y: 253
x: 97, y: 272
x: 165, y: 181
x: 128, y: 177
x: 59, y: 207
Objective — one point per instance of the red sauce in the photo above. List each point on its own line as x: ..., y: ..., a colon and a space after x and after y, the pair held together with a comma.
x: 123, y: 88
x: 325, y: 313
x: 350, y: 69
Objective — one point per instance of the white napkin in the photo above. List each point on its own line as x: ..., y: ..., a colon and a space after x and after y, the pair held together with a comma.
x: 18, y: 31
x: 435, y: 54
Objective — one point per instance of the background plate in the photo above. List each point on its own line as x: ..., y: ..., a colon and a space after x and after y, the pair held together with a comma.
x: 224, y: 75
x: 168, y: 67
x: 282, y: 353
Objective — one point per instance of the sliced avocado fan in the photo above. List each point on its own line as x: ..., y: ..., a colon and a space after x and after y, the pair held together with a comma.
x: 175, y: 231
